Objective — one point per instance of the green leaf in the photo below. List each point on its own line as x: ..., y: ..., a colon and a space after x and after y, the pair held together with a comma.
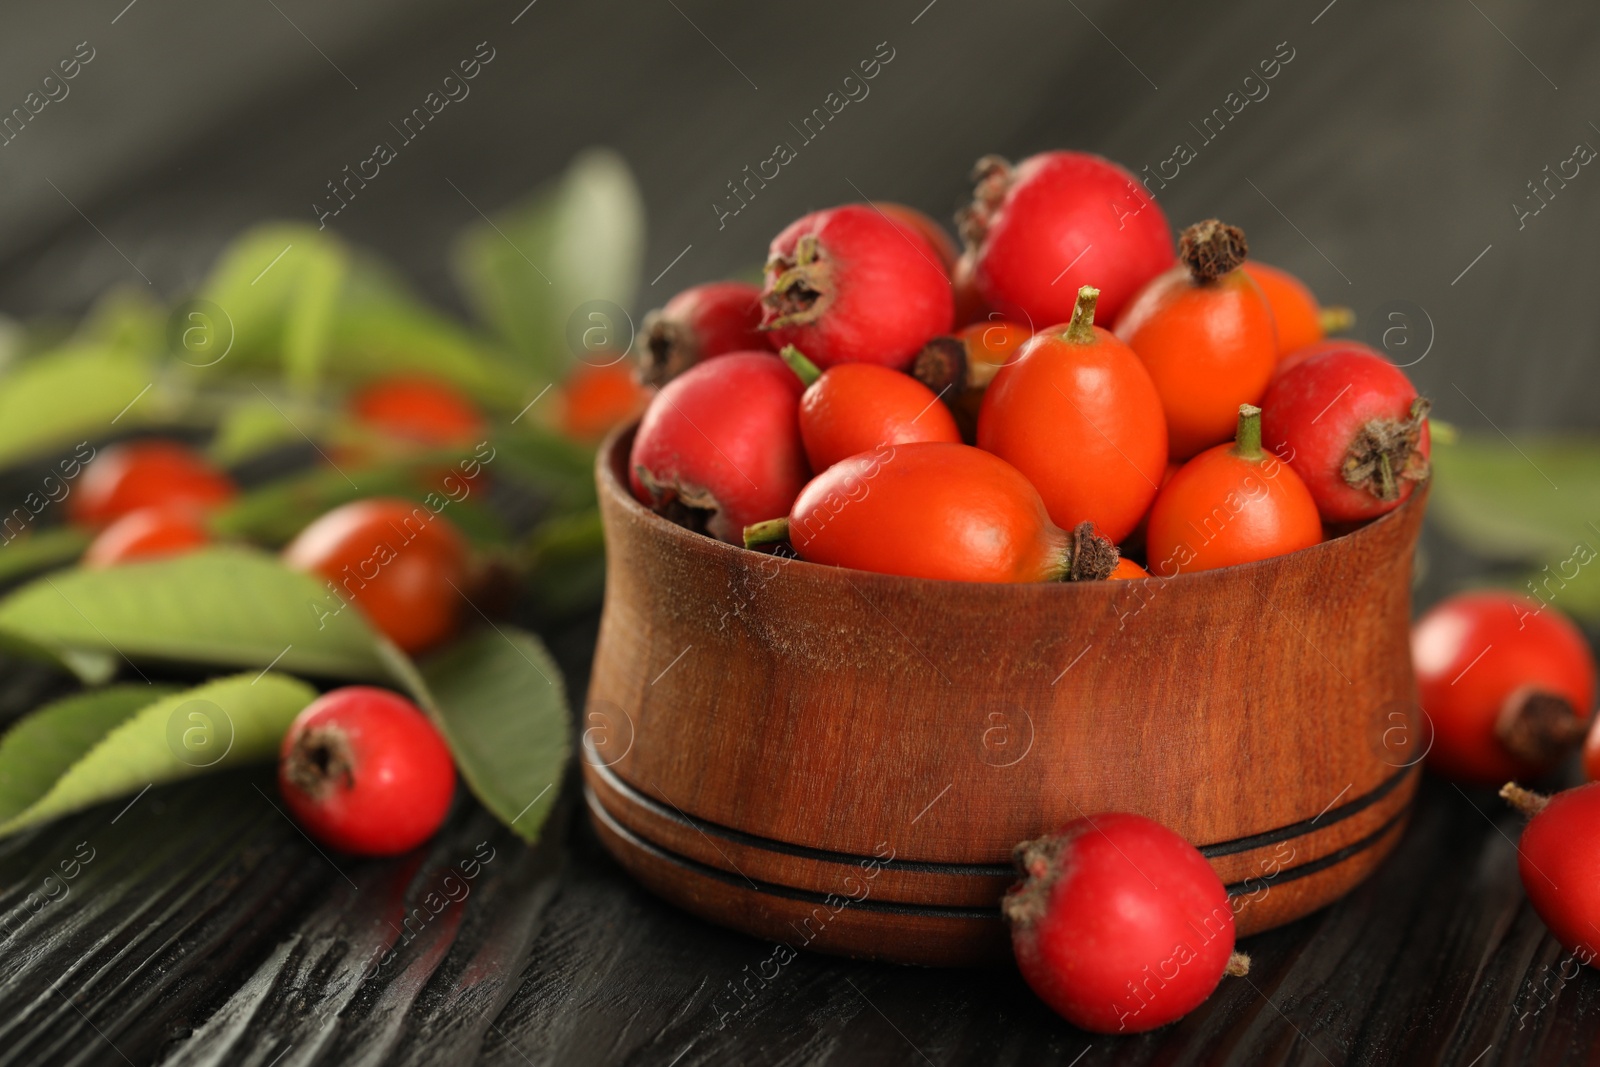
x: 1536, y: 502
x: 529, y: 270
x: 225, y: 606
x: 309, y: 326
x: 94, y: 746
x: 41, y: 550
x: 69, y: 394
x: 499, y: 700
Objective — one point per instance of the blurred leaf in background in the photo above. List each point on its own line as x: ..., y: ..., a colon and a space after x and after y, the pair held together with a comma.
x: 1536, y: 504
x: 534, y: 265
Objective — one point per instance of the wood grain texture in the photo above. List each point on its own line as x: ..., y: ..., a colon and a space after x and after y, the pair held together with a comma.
x: 823, y: 733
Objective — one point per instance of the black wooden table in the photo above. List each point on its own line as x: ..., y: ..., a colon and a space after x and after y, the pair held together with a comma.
x: 1389, y: 163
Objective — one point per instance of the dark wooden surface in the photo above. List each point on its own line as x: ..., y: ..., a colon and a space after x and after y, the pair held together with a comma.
x: 1382, y: 167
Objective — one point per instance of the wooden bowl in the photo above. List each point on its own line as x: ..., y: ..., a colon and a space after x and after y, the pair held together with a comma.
x: 843, y: 761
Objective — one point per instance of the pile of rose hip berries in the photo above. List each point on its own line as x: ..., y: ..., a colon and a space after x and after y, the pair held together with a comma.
x: 362, y: 769
x: 1006, y: 433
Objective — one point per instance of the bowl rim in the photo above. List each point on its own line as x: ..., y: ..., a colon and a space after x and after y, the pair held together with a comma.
x: 609, y: 459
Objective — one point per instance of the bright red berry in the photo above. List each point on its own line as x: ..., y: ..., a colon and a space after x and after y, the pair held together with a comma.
x: 936, y: 235
x: 1076, y: 391
x: 364, y: 771
x: 418, y: 409
x: 935, y: 510
x: 855, y: 407
x: 851, y: 285
x: 595, y: 399
x: 1352, y: 426
x: 1507, y: 683
x: 719, y: 447
x: 140, y: 474
x: 1559, y: 860
x: 1205, y: 333
x: 1119, y: 924
x: 700, y: 322
x: 148, y: 533
x: 400, y: 563
x: 1056, y: 222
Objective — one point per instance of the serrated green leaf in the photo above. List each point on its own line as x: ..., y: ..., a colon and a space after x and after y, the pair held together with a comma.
x: 91, y: 747
x: 499, y: 700
x: 225, y: 606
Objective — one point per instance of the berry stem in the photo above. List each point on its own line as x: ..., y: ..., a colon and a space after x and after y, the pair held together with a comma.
x: 803, y: 368
x: 1247, y: 440
x: 1526, y: 801
x: 1336, y: 319
x: 1081, y: 329
x: 770, y: 532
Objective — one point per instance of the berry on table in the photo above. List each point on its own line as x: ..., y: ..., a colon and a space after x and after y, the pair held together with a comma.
x: 363, y: 770
x: 1558, y: 858
x: 400, y: 563
x: 1119, y: 924
x: 139, y: 474
x: 1507, y: 683
x: 149, y: 533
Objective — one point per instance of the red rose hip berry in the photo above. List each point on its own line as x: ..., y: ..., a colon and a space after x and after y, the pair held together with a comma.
x: 1055, y: 222
x: 1559, y: 860
x: 852, y: 285
x: 364, y: 771
x: 701, y: 322
x: 141, y: 474
x: 1119, y: 924
x: 1352, y: 426
x: 148, y: 533
x: 1508, y: 685
x: 720, y: 447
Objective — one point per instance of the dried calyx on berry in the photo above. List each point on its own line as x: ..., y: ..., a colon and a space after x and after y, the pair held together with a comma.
x: 319, y: 760
x: 669, y: 349
x: 802, y: 289
x: 1093, y: 556
x: 1384, y: 451
x: 1211, y: 249
x: 991, y: 178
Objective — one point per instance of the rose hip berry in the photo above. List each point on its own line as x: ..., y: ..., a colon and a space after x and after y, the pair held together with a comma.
x: 1507, y: 683
x: 851, y: 285
x: 1231, y: 504
x: 1559, y: 860
x: 1298, y: 318
x: 148, y: 533
x: 596, y: 399
x: 935, y: 510
x: 418, y: 409
x: 1352, y: 426
x: 701, y: 322
x: 856, y: 407
x: 960, y: 367
x: 1205, y: 333
x: 719, y: 447
x: 937, y: 237
x: 1055, y: 222
x: 1119, y: 924
x: 402, y: 565
x: 364, y: 771
x: 1076, y: 412
x: 140, y: 474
